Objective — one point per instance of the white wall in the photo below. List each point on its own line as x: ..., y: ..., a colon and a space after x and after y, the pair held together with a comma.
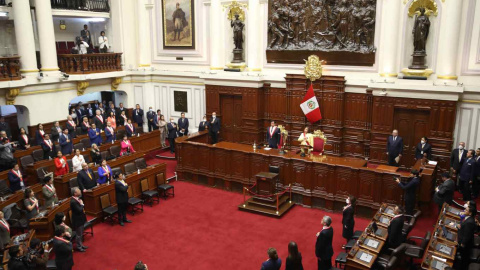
x: 8, y: 44
x: 87, y: 98
x: 75, y: 25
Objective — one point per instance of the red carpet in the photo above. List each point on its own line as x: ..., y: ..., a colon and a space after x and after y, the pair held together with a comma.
x: 201, y: 228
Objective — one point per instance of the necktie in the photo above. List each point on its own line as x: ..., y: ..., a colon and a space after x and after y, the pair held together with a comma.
x: 460, y: 153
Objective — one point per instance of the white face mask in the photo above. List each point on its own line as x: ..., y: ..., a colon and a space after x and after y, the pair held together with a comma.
x: 460, y: 147
x: 423, y: 142
x: 347, y: 201
x: 151, y: 110
x: 214, y: 115
x: 171, y: 121
x: 204, y: 119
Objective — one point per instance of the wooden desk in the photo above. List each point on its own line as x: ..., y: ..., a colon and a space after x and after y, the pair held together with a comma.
x: 26, y: 243
x: 91, y: 198
x: 18, y: 196
x: 62, y: 183
x: 319, y: 181
x: 44, y: 225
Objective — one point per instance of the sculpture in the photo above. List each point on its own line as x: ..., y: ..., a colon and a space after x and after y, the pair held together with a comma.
x: 237, y: 26
x: 420, y: 31
x: 236, y: 15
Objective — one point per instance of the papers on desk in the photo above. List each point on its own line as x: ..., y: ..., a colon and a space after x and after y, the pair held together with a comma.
x: 267, y: 148
x: 431, y: 162
x: 384, y: 220
x: 444, y: 249
x: 372, y: 243
x: 389, y: 211
x: 366, y: 257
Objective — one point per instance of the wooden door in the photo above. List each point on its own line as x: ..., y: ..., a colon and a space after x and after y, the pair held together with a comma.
x: 412, y: 125
x: 231, y: 118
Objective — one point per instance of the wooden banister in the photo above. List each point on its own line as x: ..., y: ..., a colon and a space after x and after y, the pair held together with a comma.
x: 90, y: 63
x: 10, y: 68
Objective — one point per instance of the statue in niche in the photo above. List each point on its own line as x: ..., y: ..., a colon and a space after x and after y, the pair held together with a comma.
x: 420, y: 31
x: 237, y: 26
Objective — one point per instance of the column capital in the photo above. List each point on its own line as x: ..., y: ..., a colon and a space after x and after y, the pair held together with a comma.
x: 11, y: 94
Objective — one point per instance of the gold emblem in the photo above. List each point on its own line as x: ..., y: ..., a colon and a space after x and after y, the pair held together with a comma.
x: 313, y: 68
x: 429, y: 5
x: 235, y: 8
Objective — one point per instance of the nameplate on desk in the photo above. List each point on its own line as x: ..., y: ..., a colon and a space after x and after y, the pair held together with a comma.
x: 372, y: 243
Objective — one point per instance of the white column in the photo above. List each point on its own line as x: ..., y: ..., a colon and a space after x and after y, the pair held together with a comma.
x: 390, y: 37
x: 144, y: 42
x: 253, y: 31
x: 24, y: 36
x: 216, y: 32
x: 449, y: 40
x: 46, y: 36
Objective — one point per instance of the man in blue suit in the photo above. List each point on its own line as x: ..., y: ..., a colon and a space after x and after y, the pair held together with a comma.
x: 182, y: 126
x: 95, y: 135
x: 137, y: 116
x: 66, y: 143
x: 394, y: 148
x: 172, y: 134
x: 466, y: 176
x: 109, y: 133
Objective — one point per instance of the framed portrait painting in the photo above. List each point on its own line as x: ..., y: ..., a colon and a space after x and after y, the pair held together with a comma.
x: 178, y: 24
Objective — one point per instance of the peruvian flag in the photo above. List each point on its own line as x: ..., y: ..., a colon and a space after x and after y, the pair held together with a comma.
x: 310, y: 106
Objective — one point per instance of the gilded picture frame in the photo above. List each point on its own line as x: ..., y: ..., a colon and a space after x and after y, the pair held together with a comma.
x: 178, y: 24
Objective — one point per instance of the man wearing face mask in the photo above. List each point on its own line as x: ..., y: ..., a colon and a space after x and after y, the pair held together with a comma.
x: 457, y: 158
x: 423, y: 149
x: 204, y: 124
x: 466, y: 176
x: 410, y: 191
x: 476, y: 175
x: 151, y: 119
x: 214, y: 128
x: 172, y: 134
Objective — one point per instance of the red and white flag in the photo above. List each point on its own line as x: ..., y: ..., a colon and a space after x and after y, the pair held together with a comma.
x: 310, y: 106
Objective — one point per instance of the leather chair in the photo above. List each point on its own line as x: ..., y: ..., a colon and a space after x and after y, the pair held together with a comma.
x: 387, y: 265
x: 78, y: 131
x: 274, y: 169
x: 104, y: 155
x: 120, y: 134
x: 37, y: 155
x: 149, y: 196
x: 70, y: 165
x: 73, y: 182
x: 86, y: 158
x: 51, y: 265
x: 414, y: 251
x: 41, y: 173
x: 86, y: 142
x: 397, y: 252
x: 474, y: 266
x: 95, y: 172
x: 410, y: 222
x: 134, y: 202
x: 4, y: 189
x: 78, y: 146
x: 130, y: 168
x: 116, y: 171
x: 475, y: 255
x: 341, y: 259
x: 141, y: 163
x: 476, y: 241
x: 115, y: 150
x: 87, y: 227
x: 357, y: 234
x: 25, y: 161
x: 109, y: 211
x: 15, y: 217
x: 163, y: 187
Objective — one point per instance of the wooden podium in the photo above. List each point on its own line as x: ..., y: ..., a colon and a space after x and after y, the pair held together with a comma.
x: 265, y: 197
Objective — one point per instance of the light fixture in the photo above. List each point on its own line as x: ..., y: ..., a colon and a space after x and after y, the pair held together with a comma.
x: 96, y: 19
x: 3, y: 14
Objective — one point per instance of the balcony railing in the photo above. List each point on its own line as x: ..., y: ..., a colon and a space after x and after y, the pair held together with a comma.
x: 90, y: 63
x: 10, y: 68
x: 87, y: 5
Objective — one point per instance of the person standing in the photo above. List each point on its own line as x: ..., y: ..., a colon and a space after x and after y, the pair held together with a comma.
x: 410, y: 189
x: 49, y: 192
x: 157, y: 119
x: 86, y: 179
x: 95, y: 154
x: 85, y: 125
x: 458, y: 156
x: 78, y: 218
x: 172, y: 134
x: 122, y: 119
x: 138, y: 116
x: 99, y: 120
x: 49, y: 149
x: 151, y: 119
x: 476, y: 175
x: 77, y: 161
x: 126, y: 146
x: 323, y: 246
x: 23, y: 140
x: 203, y: 124
x: 15, y: 178
x: 71, y: 126
x: 39, y: 134
x: 63, y: 249
x: 423, y: 149
x: 129, y: 128
x: 85, y: 34
x: 273, y: 136
x: 121, y: 194
x: 182, y: 126
x: 294, y: 259
x: 273, y: 262
x: 103, y: 43
x: 61, y: 165
x: 109, y: 133
x: 466, y: 176
x: 17, y: 261
x: 104, y: 173
x: 66, y: 143
x: 214, y: 128
x: 162, y: 126
x: 31, y: 203
x: 348, y: 220
x: 4, y: 231
x: 394, y: 148
x: 444, y: 192
x: 56, y: 131
x: 395, y: 234
x: 94, y: 135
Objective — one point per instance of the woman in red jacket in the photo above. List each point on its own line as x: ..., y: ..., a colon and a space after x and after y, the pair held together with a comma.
x: 61, y: 165
x: 126, y: 146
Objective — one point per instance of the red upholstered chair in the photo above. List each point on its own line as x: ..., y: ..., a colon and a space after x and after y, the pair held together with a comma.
x: 319, y: 141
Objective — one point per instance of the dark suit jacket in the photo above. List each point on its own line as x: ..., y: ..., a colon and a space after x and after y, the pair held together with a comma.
x: 271, y: 264
x: 410, y: 188
x: 203, y: 125
x: 151, y: 116
x: 22, y: 143
x: 63, y: 254
x: 47, y: 152
x: 348, y: 222
x: 323, y: 246
x: 137, y: 117
x: 99, y: 124
x: 128, y: 131
x: 109, y: 136
x: 476, y: 167
x: 4, y: 236
x: 394, y: 148
x: 85, y: 34
x: 121, y: 192
x: 78, y: 215
x: 395, y: 236
x: 426, y: 149
x: 455, y: 162
x: 215, y: 126
x: 466, y: 233
x: 84, y: 128
x: 445, y: 192
x: 183, y: 124
x: 84, y: 182
x: 19, y: 263
x: 38, y: 137
x: 55, y: 134
x: 14, y: 181
x: 71, y: 130
x: 67, y: 147
x: 466, y: 171
x: 172, y: 131
x: 273, y: 140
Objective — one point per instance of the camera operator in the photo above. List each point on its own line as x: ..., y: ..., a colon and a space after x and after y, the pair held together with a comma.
x: 18, y: 261
x: 38, y: 254
x: 410, y: 189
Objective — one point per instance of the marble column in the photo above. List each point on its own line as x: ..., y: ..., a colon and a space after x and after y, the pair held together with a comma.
x: 24, y: 35
x: 144, y: 37
x: 253, y: 41
x: 216, y: 33
x: 390, y: 37
x: 46, y: 36
x: 449, y: 40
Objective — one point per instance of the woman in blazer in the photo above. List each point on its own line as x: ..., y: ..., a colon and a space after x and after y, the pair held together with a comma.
x: 23, y: 139
x: 126, y: 146
x: 31, y: 204
x: 95, y: 154
x: 104, y: 173
x: 39, y: 134
x: 348, y: 220
x: 49, y: 192
x: 423, y: 149
x: 61, y: 165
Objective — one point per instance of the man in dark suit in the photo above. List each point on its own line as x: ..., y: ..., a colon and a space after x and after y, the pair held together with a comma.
x: 63, y: 249
x: 395, y: 236
x: 444, y: 192
x: 80, y: 112
x: 71, y: 126
x: 121, y: 194
x: 156, y: 120
x: 18, y: 260
x: 476, y: 175
x: 4, y: 231
x: 130, y: 129
x: 56, y: 131
x: 85, y: 34
x: 49, y: 149
x: 410, y: 189
x: 66, y: 143
x: 273, y: 135
x: 85, y: 125
x: 466, y: 234
x: 99, y: 120
x: 172, y: 134
x: 214, y: 128
x: 120, y: 109
x: 78, y: 218
x: 15, y: 178
x: 151, y: 119
x: 466, y: 176
x: 111, y: 109
x: 89, y: 112
x: 137, y: 116
x: 86, y: 179
x: 323, y: 246
x: 457, y: 158
x: 394, y: 148
x: 182, y: 126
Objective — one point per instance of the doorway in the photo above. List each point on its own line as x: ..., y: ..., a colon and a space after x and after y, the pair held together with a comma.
x: 231, y: 120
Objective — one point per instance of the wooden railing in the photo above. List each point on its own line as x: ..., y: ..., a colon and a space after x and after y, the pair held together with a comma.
x: 88, y: 5
x: 10, y: 68
x: 90, y: 63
